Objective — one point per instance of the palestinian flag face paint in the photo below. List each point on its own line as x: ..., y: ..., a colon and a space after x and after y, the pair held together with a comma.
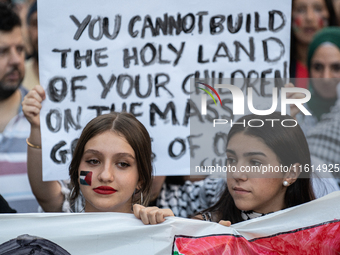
x: 323, y: 22
x: 297, y: 22
x: 85, y: 178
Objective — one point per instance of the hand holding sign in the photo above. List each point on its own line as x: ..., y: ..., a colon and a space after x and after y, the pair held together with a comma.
x: 31, y: 105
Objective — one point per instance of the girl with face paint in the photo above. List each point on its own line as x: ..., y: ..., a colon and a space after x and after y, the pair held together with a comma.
x: 308, y: 17
x: 111, y: 163
x: 111, y: 166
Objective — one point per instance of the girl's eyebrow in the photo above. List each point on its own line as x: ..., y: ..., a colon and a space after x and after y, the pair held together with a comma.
x: 123, y: 154
x: 118, y: 155
x: 91, y: 151
x: 231, y: 151
x: 247, y: 154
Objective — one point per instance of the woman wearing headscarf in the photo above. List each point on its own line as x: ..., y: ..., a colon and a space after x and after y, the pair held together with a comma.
x: 324, y: 67
x: 323, y: 132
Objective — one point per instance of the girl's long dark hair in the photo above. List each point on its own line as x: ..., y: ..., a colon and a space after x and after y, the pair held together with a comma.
x: 290, y: 146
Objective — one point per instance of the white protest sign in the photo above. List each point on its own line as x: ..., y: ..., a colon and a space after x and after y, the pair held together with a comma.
x: 311, y: 227
x: 139, y: 56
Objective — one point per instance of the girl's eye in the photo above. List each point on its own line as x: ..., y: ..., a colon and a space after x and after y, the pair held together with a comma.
x: 255, y: 163
x: 123, y: 164
x: 317, y: 67
x: 336, y: 67
x: 318, y: 8
x: 3, y: 51
x: 231, y: 161
x: 300, y: 9
x: 93, y: 161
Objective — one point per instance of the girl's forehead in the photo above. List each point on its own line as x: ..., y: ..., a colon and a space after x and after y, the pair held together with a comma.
x: 243, y: 141
x: 309, y: 2
x: 246, y: 144
x: 327, y: 50
x: 108, y: 134
x: 109, y: 141
x: 242, y: 136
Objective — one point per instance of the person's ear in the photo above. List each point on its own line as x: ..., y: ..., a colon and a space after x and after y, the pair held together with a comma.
x: 292, y: 175
x: 138, y: 192
x: 139, y: 186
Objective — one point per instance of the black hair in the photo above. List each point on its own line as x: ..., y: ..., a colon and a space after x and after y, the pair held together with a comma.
x: 290, y: 146
x: 8, y: 18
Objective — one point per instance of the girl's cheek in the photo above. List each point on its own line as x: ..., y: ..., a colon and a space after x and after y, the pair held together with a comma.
x: 297, y: 23
x: 85, y: 178
x: 322, y: 22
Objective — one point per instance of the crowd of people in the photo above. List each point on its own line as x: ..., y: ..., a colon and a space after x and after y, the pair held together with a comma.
x: 111, y: 167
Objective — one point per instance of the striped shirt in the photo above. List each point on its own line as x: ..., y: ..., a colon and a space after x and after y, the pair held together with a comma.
x: 14, y: 185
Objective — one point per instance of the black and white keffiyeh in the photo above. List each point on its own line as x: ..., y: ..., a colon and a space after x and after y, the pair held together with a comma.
x: 192, y: 197
x: 324, y: 140
x: 248, y: 215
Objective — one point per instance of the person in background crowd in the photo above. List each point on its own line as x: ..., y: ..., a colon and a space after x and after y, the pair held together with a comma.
x: 31, y: 65
x: 324, y: 140
x: 336, y: 4
x: 324, y: 67
x: 322, y: 129
x: 21, y: 8
x: 308, y: 17
x: 14, y: 127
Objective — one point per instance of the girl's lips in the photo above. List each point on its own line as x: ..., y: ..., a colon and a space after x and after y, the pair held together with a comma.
x: 240, y: 190
x: 104, y: 190
x: 309, y: 30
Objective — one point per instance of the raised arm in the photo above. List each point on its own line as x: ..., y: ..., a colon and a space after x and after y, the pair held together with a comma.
x: 48, y: 194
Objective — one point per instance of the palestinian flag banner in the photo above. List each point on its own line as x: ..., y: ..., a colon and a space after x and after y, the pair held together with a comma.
x: 311, y: 228
x: 323, y: 238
